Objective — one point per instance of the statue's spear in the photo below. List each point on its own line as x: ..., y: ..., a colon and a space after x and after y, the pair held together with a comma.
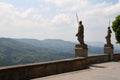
x: 77, y: 18
x: 109, y: 23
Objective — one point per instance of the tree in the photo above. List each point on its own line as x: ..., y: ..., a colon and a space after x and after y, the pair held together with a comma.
x: 116, y: 28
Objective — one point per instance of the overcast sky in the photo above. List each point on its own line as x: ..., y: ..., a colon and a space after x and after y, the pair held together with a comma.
x: 56, y: 19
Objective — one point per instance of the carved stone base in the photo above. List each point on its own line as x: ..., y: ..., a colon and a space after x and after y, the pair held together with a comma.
x: 109, y: 49
x: 108, y: 45
x: 81, y: 46
x: 81, y: 50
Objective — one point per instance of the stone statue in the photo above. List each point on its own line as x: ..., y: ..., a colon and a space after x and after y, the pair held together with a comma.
x: 80, y: 34
x: 81, y: 49
x: 108, y: 37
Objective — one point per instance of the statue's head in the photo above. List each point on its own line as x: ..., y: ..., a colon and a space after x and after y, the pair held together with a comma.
x: 80, y: 22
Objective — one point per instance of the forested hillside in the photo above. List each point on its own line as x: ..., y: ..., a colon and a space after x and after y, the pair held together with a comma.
x: 22, y: 51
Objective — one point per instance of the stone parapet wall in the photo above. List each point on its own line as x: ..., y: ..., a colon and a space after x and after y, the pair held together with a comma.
x: 97, y: 59
x: 36, y: 70
x: 116, y: 56
x: 30, y: 71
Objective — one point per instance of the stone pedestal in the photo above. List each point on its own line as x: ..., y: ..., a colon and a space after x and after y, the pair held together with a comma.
x: 81, y: 50
x: 109, y: 49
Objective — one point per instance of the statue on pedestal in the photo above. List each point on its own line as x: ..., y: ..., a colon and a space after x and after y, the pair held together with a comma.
x: 108, y: 47
x: 80, y: 35
x: 81, y: 49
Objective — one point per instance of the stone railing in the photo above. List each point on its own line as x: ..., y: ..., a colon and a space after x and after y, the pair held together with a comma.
x: 116, y: 56
x: 30, y: 71
x: 97, y: 59
x: 36, y: 70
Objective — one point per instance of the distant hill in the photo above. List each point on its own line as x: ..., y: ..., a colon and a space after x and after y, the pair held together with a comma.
x: 53, y: 44
x: 22, y: 51
x: 61, y: 45
x: 15, y: 52
x: 101, y: 45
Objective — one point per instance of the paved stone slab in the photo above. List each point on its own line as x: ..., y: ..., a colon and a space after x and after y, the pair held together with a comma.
x: 103, y: 71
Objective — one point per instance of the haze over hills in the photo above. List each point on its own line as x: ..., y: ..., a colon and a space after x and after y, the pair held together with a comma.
x: 101, y: 45
x: 15, y: 52
x: 22, y: 51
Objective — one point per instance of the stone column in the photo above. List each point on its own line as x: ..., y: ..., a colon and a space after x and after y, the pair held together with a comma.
x: 109, y: 49
x: 81, y: 50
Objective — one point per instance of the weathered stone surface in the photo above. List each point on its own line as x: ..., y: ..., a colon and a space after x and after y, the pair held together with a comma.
x: 108, y: 37
x: 80, y: 34
x: 97, y: 59
x: 104, y: 71
x: 30, y: 71
x: 116, y: 57
x: 109, y: 51
x: 108, y: 45
x: 81, y: 46
x: 36, y: 70
x: 50, y: 69
x: 81, y: 51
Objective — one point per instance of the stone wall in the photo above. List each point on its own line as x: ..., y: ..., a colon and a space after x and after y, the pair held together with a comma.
x: 97, y: 59
x: 30, y: 71
x: 36, y: 70
x: 116, y: 56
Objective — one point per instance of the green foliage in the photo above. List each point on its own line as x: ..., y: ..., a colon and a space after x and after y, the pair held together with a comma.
x: 116, y: 28
x: 14, y: 52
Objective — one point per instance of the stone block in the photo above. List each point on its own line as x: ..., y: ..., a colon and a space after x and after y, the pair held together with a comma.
x: 109, y: 50
x: 50, y: 69
x: 81, y: 52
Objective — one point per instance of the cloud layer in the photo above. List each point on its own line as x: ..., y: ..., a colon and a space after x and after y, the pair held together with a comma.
x: 56, y: 19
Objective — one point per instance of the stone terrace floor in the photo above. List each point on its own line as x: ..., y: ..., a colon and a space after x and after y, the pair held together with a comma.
x: 103, y: 71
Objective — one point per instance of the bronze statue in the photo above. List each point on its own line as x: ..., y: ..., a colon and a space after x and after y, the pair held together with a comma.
x: 80, y: 34
x: 108, y: 37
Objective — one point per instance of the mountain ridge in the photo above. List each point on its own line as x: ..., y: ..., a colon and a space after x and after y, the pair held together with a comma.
x: 22, y: 51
